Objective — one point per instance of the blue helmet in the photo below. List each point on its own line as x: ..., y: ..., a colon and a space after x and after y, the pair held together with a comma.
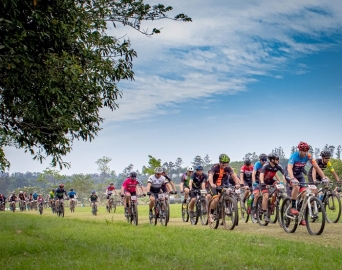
x: 93, y: 192
x: 199, y: 168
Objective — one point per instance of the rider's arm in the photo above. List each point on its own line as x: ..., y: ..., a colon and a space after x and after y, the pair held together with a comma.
x: 253, y: 176
x: 261, y: 177
x: 148, y: 188
x: 336, y: 176
x: 290, y: 170
x: 168, y: 186
x: 236, y: 179
x: 314, y: 174
x: 190, y: 184
x: 181, y: 185
x: 211, y: 179
x: 277, y: 177
x: 318, y: 169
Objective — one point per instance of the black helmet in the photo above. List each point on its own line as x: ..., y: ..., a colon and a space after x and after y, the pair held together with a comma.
x: 133, y: 175
x: 325, y: 153
x: 272, y: 156
x: 247, y: 161
x: 71, y: 189
x: 263, y: 156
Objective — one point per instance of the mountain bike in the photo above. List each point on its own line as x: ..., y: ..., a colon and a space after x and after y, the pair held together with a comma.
x: 311, y: 210
x: 200, y: 208
x: 239, y: 195
x: 22, y: 205
x: 53, y: 206
x: 60, y: 209
x: 2, y: 206
x: 34, y: 205
x: 185, y: 209
x: 226, y: 209
x: 159, y: 211
x: 131, y: 212
x: 72, y: 203
x: 331, y: 201
x: 94, y: 208
x: 12, y: 206
x: 276, y: 196
x: 40, y: 208
x: 111, y: 205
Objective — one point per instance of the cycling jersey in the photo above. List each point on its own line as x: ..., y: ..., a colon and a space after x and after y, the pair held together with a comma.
x: 220, y: 175
x: 167, y: 178
x: 247, y: 172
x: 51, y: 194
x: 35, y: 196
x: 2, y: 199
x: 93, y: 198
x: 40, y: 200
x: 71, y: 194
x: 257, y: 169
x: 269, y: 171
x: 185, y: 179
x: 60, y: 192
x: 12, y: 198
x: 197, y: 180
x: 299, y: 162
x: 110, y: 190
x: 130, y: 185
x: 22, y: 197
x: 156, y: 183
x: 323, y: 166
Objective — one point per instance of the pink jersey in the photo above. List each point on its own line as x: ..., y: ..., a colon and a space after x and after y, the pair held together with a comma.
x: 40, y: 200
x: 130, y: 185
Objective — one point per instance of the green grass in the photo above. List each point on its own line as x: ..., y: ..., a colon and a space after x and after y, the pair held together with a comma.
x: 83, y: 241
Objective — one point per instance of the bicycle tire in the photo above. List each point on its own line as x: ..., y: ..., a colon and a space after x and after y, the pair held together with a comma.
x: 316, y: 217
x: 185, y: 212
x: 289, y: 223
x: 243, y: 212
x: 278, y: 205
x: 162, y: 213
x: 62, y: 210
x: 168, y: 210
x: 260, y: 212
x: 213, y: 223
x: 114, y: 206
x: 194, y: 218
x: 204, y: 211
x: 135, y: 214
x: 332, y: 206
x: 153, y: 218
x: 229, y: 213
x: 40, y: 209
x: 272, y: 209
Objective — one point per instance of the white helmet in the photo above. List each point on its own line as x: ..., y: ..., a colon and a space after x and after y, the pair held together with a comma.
x: 190, y: 169
x: 158, y: 170
x: 21, y: 192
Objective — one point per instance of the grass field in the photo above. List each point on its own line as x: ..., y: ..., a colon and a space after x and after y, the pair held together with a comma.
x: 83, y: 241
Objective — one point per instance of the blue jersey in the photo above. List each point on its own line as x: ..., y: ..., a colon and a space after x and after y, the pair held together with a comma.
x: 257, y: 168
x: 35, y: 196
x: 299, y: 162
x: 71, y: 194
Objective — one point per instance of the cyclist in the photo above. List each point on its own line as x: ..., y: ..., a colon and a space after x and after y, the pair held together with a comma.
x: 109, y: 192
x: 129, y: 188
x: 268, y: 171
x: 323, y: 163
x: 184, y: 185
x: 93, y: 198
x: 12, y: 199
x: 246, y: 172
x: 59, y: 195
x: 154, y: 184
x: 296, y: 164
x: 72, y: 195
x: 35, y: 195
x: 174, y: 189
x: 40, y: 199
x: 2, y: 202
x: 22, y: 196
x: 197, y: 182
x: 218, y: 176
x: 51, y: 196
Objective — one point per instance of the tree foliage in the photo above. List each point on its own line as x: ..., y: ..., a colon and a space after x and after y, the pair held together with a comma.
x: 58, y: 67
x: 152, y: 164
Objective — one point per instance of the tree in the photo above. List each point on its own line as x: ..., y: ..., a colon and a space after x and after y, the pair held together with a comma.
x: 152, y: 164
x: 337, y: 164
x: 317, y: 153
x: 59, y: 67
x: 50, y: 178
x: 103, y: 167
x: 197, y: 161
x: 311, y: 151
x: 206, y: 160
x: 293, y: 149
x: 128, y: 170
x: 280, y: 152
x: 338, y: 152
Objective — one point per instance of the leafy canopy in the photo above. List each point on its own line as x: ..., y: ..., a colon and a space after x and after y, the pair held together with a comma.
x: 58, y: 67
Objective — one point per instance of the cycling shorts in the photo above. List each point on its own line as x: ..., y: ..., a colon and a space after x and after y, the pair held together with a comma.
x: 127, y: 193
x: 193, y: 193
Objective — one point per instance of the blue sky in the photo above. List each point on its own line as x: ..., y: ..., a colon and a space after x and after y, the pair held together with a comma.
x: 244, y: 76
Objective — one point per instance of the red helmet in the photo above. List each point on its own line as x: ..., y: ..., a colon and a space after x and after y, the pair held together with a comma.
x: 61, y: 185
x: 303, y: 146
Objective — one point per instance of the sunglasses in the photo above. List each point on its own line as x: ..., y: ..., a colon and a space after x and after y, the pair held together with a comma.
x: 263, y: 159
x: 158, y: 174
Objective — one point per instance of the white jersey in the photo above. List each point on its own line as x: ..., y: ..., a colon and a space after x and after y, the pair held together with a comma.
x: 156, y: 183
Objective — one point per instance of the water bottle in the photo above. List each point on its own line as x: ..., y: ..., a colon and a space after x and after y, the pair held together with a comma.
x: 249, y: 202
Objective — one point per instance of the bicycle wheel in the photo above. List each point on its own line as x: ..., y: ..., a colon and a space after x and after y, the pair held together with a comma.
x: 153, y: 217
x: 62, y: 210
x: 214, y: 220
x: 278, y: 205
x: 40, y: 209
x: 243, y: 211
x: 229, y: 213
x: 162, y: 213
x: 332, y: 205
x: 315, y: 216
x: 289, y: 222
x: 272, y: 208
x: 109, y: 207
x: 203, y: 211
x: 260, y: 213
x: 185, y: 213
x: 114, y: 206
x: 167, y: 210
x: 135, y: 214
x: 195, y: 215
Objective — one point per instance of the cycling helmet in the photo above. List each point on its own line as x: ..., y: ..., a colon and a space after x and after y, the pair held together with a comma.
x: 21, y: 192
x: 133, y: 175
x: 52, y: 190
x: 158, y: 170
x: 199, y: 168
x: 93, y: 192
x: 111, y: 184
x: 190, y: 169
x: 164, y: 170
x: 272, y: 156
x: 247, y: 161
x: 71, y: 189
x: 223, y: 158
x: 303, y: 146
x: 325, y: 153
x: 60, y: 185
x: 263, y: 156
